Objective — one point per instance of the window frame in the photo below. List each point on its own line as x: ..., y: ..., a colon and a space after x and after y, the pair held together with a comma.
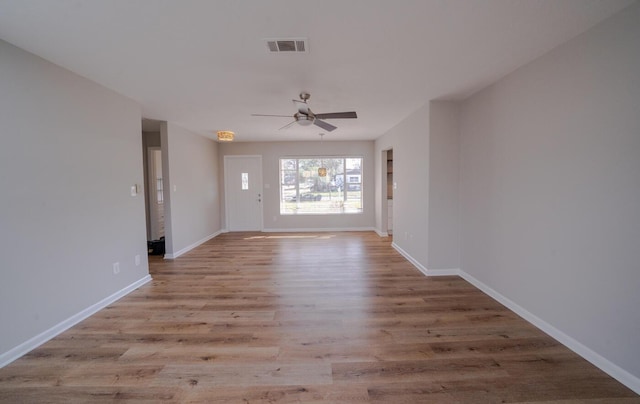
x: 286, y: 176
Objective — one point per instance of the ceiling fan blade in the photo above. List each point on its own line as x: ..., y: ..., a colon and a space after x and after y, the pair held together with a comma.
x: 337, y: 115
x: 324, y: 125
x: 284, y: 116
x: 303, y: 107
x: 287, y: 125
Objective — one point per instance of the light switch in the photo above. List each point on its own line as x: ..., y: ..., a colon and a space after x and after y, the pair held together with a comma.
x: 395, y: 185
x: 134, y: 190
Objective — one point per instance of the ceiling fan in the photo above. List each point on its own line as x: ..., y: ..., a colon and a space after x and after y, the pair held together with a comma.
x: 305, y: 117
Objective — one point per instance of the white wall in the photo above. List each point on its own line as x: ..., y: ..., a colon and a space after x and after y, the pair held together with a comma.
x: 271, y: 152
x: 550, y: 188
x: 425, y: 203
x: 70, y: 150
x: 444, y: 163
x: 410, y: 142
x: 192, y: 187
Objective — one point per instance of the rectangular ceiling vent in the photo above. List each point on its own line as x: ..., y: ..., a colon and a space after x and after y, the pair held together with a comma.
x: 287, y: 45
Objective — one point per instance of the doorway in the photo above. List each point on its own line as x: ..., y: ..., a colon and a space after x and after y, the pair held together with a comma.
x: 390, y: 182
x: 243, y: 192
x: 156, y: 198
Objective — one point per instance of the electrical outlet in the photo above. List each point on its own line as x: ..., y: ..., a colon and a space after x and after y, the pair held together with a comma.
x: 116, y: 268
x: 137, y: 259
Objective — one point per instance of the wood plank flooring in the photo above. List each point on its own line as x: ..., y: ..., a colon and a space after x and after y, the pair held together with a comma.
x: 304, y: 318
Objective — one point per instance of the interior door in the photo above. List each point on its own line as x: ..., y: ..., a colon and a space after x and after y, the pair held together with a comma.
x: 243, y: 192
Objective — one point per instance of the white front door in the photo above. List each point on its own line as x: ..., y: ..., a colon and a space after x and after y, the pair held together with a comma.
x: 243, y: 192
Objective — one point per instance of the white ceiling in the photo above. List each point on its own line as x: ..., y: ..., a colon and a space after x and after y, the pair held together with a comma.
x: 203, y: 65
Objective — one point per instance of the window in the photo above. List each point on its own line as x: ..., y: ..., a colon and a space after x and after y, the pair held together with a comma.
x: 303, y: 191
x: 159, y: 191
x: 245, y: 181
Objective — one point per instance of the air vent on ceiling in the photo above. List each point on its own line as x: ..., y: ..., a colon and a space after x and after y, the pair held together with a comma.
x: 287, y: 45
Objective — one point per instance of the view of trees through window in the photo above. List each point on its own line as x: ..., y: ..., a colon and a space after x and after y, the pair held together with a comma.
x: 303, y: 190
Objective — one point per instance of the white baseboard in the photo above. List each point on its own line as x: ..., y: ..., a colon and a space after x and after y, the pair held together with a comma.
x: 443, y: 272
x: 381, y: 234
x: 317, y: 230
x: 422, y: 268
x: 29, y: 345
x: 192, y: 246
x: 596, y: 359
x: 409, y: 258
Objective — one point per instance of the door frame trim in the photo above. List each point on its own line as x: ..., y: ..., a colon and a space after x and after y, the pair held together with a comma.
x: 227, y: 158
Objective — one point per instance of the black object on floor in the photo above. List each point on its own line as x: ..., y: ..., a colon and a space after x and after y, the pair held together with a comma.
x: 156, y: 247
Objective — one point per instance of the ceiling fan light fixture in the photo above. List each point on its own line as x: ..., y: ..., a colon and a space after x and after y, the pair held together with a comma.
x: 303, y: 119
x: 225, y: 135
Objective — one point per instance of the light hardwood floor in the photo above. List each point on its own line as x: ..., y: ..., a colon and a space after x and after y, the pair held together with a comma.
x: 282, y: 318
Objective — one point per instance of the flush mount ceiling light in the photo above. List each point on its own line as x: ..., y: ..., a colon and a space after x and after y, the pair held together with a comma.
x: 225, y: 135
